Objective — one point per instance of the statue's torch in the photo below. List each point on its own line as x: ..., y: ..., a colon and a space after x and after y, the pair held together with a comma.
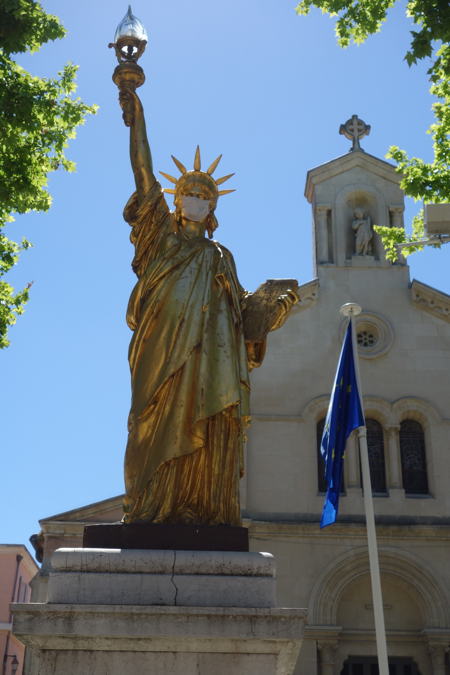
x: 129, y: 43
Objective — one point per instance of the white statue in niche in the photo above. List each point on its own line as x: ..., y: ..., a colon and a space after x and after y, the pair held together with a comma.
x: 363, y: 232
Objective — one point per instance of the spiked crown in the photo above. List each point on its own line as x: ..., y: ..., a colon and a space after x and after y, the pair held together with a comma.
x: 202, y: 179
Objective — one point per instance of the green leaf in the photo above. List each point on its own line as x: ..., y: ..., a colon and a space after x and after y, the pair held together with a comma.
x: 38, y: 116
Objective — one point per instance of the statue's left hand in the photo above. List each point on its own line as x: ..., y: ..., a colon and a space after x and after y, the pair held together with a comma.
x: 268, y: 307
x: 288, y: 299
x: 285, y: 302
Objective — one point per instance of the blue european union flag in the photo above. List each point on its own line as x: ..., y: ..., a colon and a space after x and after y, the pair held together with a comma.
x: 344, y: 415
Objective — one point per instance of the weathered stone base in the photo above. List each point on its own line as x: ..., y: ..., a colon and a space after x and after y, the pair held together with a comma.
x: 113, y: 612
x: 183, y: 578
x: 117, y: 640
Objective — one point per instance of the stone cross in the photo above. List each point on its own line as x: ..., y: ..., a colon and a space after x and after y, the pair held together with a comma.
x: 354, y: 129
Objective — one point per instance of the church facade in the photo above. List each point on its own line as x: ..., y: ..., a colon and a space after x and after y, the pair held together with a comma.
x: 403, y: 338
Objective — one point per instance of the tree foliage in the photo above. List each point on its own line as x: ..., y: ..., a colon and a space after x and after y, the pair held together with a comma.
x: 37, y: 117
x: 356, y: 20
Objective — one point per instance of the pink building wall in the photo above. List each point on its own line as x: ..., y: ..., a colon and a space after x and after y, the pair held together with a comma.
x: 17, y: 568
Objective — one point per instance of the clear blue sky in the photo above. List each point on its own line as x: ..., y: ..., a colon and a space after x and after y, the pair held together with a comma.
x: 249, y: 79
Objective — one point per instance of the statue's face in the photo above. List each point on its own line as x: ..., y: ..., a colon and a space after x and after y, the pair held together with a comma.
x: 195, y: 208
x: 193, y: 203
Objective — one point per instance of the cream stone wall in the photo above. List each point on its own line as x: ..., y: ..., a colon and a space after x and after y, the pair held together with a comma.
x: 404, y: 376
x: 290, y: 396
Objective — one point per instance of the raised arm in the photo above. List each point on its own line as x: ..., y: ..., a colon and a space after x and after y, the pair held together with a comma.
x: 140, y: 155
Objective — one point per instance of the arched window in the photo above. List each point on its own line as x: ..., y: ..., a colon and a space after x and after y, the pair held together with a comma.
x: 412, y: 452
x: 321, y: 482
x: 375, y: 446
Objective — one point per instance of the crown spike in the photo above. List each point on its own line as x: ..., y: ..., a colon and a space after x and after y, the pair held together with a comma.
x: 219, y: 181
x: 197, y: 162
x: 213, y: 166
x: 169, y: 191
x: 169, y: 177
x: 225, y: 192
x: 178, y: 164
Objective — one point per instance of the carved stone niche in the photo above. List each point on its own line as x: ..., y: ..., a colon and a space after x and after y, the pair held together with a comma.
x: 361, y: 207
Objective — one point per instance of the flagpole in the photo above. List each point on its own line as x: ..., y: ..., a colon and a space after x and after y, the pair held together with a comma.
x: 350, y: 310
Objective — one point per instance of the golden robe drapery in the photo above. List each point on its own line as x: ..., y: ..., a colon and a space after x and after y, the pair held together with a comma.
x: 189, y: 375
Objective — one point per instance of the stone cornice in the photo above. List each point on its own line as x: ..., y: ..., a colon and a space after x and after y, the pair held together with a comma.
x: 393, y: 635
x: 87, y: 513
x: 323, y: 633
x: 261, y: 529
x: 64, y: 528
x: 308, y: 293
x: 345, y: 163
x: 155, y: 628
x: 431, y: 300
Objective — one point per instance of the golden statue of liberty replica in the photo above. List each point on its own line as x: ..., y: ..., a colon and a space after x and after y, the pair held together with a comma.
x: 196, y: 333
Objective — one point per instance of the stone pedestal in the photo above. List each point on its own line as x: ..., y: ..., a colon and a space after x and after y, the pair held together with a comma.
x: 364, y: 260
x: 113, y: 612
